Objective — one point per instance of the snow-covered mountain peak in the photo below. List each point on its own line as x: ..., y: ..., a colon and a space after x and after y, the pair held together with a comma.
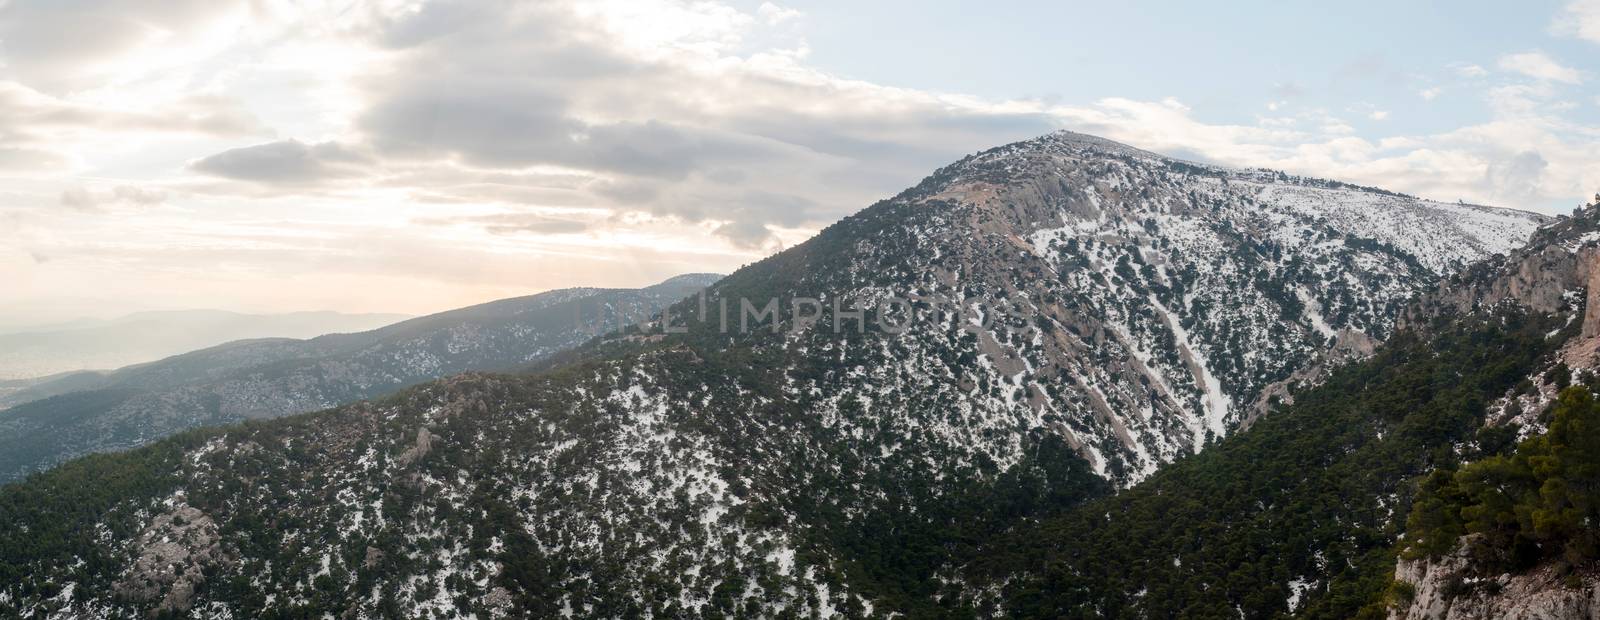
x: 1177, y: 300
x: 1095, y: 183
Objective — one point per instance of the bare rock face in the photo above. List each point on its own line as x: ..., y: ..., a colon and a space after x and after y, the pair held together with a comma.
x: 1446, y: 589
x: 1559, y: 263
x: 499, y: 599
x: 173, y: 553
x: 1537, y: 280
x: 1589, y: 268
x: 1348, y: 344
x: 1429, y: 580
x: 418, y: 450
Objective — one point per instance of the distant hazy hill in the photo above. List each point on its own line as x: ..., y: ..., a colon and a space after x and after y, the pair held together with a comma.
x: 79, y: 413
x: 147, y: 336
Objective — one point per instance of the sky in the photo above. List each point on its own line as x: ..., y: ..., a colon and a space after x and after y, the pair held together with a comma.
x: 413, y: 156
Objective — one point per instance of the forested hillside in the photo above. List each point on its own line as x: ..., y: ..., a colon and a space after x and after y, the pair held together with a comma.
x: 1301, y: 514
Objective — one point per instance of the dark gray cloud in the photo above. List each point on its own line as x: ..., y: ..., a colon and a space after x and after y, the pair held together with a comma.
x: 506, y: 86
x: 658, y: 149
x: 287, y: 162
x: 745, y: 233
x: 750, y: 217
x: 495, y: 123
x: 487, y: 123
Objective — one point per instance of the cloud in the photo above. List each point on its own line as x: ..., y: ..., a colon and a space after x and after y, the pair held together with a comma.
x: 487, y: 122
x: 514, y: 223
x: 1470, y: 71
x: 78, y: 198
x: 749, y: 221
x: 21, y: 159
x: 61, y: 47
x: 286, y: 162
x: 44, y: 133
x: 201, y: 115
x: 1379, y: 115
x: 138, y: 196
x: 1521, y: 100
x: 773, y: 14
x: 1580, y: 18
x: 744, y: 233
x: 1517, y: 177
x: 81, y: 198
x: 1429, y: 94
x: 668, y: 126
x: 1540, y: 66
x: 1447, y: 166
x: 461, y: 101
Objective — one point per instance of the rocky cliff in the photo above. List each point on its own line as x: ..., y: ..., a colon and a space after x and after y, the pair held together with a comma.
x: 1449, y: 589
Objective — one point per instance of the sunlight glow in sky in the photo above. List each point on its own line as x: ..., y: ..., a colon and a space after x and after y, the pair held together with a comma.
x: 411, y: 156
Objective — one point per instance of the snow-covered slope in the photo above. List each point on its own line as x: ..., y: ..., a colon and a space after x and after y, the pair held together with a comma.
x: 1154, y: 303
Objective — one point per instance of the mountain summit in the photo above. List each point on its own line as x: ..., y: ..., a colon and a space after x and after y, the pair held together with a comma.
x: 822, y: 432
x: 1152, y: 304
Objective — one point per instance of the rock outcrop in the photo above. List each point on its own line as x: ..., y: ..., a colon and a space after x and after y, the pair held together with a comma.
x: 1447, y: 589
x: 173, y: 554
x: 417, y: 450
x: 1547, y: 275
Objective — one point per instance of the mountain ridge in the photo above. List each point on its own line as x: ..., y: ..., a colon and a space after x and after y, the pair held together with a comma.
x: 257, y: 378
x: 147, y: 336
